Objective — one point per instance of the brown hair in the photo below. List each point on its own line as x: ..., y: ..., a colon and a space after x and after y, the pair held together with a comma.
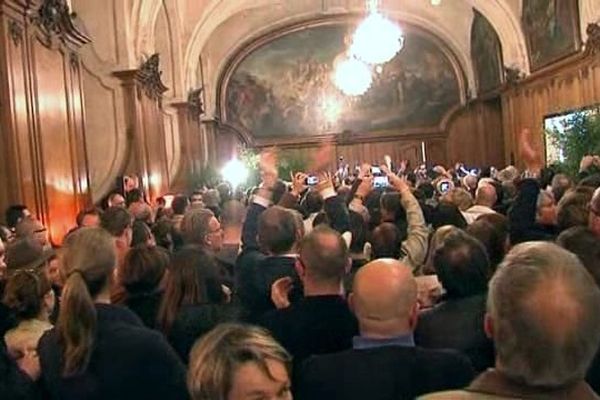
x: 215, y: 358
x: 143, y: 269
x: 88, y: 260
x: 24, y: 292
x: 192, y: 280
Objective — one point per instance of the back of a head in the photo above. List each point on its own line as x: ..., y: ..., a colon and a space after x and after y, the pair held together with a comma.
x: 179, y: 205
x: 143, y: 269
x: 88, y: 260
x: 324, y: 254
x: 384, y: 296
x: 427, y: 189
x: 582, y: 242
x: 233, y: 213
x: 560, y: 184
x: 448, y: 214
x: 195, y: 225
x: 486, y: 195
x: 14, y: 214
x: 277, y: 230
x: 462, y: 265
x: 313, y: 201
x: 386, y: 241
x: 115, y: 220
x: 211, y: 198
x: 460, y: 198
x: 392, y: 206
x: 492, y: 236
x: 141, y: 211
x: 133, y: 196
x: 216, y: 357
x: 24, y: 293
x: 544, y: 310
x: 573, y: 208
x: 27, y: 226
x: 192, y: 280
x: 140, y: 233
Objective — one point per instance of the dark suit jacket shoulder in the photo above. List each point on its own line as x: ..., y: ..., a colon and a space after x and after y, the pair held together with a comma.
x: 390, y: 372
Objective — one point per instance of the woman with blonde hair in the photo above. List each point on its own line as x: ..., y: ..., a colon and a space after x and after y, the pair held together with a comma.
x: 98, y: 350
x: 239, y: 362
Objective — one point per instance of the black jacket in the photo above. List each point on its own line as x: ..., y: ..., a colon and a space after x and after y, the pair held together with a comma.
x: 457, y: 324
x: 14, y: 384
x: 129, y: 362
x: 383, y: 373
x: 192, y: 322
x: 313, y: 325
x: 145, y: 306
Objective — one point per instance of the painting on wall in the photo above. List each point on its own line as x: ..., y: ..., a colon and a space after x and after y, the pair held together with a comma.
x: 551, y: 29
x: 486, y: 54
x: 284, y: 88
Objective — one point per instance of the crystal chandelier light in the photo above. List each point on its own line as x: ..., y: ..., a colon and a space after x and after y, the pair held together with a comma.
x: 377, y: 39
x: 353, y: 77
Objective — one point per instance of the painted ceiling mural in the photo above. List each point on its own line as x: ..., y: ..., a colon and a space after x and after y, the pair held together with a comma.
x: 284, y: 88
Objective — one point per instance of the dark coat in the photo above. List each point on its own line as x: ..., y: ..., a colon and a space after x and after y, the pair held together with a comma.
x: 314, y: 325
x: 129, y: 362
x: 458, y: 324
x: 14, y: 384
x: 192, y: 322
x: 383, y: 373
x: 145, y: 306
x: 521, y: 217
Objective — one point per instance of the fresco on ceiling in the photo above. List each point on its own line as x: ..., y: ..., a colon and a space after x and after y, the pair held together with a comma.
x: 551, y: 30
x: 284, y: 88
x: 486, y: 54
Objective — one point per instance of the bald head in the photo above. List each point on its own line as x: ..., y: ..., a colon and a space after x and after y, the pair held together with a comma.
x: 384, y: 298
x: 486, y: 195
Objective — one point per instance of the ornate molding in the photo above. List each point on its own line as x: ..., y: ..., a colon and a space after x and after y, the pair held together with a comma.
x: 16, y: 32
x: 195, y: 103
x: 149, y: 78
x: 592, y: 45
x: 54, y: 18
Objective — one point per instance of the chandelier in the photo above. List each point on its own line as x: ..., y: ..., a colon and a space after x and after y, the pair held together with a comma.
x: 376, y: 41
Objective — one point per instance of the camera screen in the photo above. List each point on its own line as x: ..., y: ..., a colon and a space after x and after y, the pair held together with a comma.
x: 444, y: 187
x: 312, y: 180
x: 380, y: 181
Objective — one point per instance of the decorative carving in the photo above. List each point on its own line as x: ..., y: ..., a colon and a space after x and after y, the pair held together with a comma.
x: 16, y: 32
x: 148, y: 76
x: 74, y: 59
x: 195, y: 103
x: 513, y: 75
x: 54, y: 18
x: 592, y: 46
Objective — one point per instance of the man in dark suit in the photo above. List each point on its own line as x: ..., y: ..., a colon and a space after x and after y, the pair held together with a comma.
x: 269, y: 238
x: 321, y: 322
x: 384, y: 362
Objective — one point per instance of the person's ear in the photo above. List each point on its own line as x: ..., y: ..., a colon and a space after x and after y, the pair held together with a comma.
x: 299, y: 268
x: 351, y: 304
x: 488, y: 326
x: 413, y: 317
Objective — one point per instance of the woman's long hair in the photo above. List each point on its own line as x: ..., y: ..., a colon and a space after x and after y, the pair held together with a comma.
x: 192, y: 280
x: 88, y: 260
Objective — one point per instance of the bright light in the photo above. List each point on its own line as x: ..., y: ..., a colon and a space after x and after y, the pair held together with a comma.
x: 235, y: 172
x: 331, y: 109
x: 352, y: 77
x: 376, y: 40
x: 436, y: 2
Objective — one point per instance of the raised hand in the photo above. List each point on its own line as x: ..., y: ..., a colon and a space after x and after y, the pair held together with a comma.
x: 530, y: 156
x: 268, y: 167
x: 298, y: 182
x: 399, y: 183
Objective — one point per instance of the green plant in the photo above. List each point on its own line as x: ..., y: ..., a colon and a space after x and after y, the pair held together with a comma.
x: 251, y: 159
x: 581, y: 137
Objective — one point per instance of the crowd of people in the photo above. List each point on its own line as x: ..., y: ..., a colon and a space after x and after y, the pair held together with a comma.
x: 381, y: 283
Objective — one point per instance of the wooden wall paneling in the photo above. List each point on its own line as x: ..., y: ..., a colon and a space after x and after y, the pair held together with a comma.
x: 565, y: 86
x: 42, y: 115
x: 18, y: 170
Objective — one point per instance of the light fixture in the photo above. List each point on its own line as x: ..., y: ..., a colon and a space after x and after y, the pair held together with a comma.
x: 235, y: 172
x: 436, y: 2
x: 377, y: 39
x: 352, y: 76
